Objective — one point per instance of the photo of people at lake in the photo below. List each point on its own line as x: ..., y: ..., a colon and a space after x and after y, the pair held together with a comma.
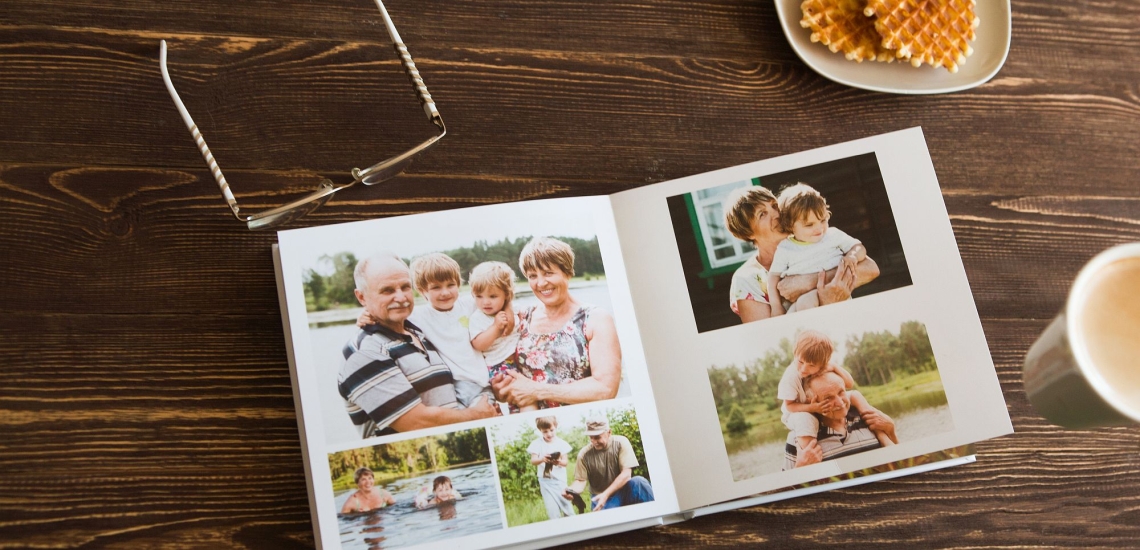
x: 427, y: 324
x: 415, y: 491
x: 780, y: 243
x: 562, y: 463
x: 817, y: 395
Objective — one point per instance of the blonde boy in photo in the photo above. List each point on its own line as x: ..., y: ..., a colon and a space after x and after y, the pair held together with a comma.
x: 811, y: 247
x: 812, y: 357
x: 446, y: 323
x: 551, y: 454
x: 492, y: 327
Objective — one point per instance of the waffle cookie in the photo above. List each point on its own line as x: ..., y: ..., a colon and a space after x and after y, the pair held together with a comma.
x: 842, y: 27
x: 936, y: 32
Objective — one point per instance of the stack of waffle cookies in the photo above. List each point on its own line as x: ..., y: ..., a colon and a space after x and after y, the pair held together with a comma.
x: 935, y: 32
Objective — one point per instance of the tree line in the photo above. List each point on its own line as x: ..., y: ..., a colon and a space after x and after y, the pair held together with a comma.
x: 873, y: 358
x: 412, y: 456
x: 516, y: 473
x: 336, y: 289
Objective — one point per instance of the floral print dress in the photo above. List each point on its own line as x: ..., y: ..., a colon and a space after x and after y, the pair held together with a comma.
x: 558, y: 357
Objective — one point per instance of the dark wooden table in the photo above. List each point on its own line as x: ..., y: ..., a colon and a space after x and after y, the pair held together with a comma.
x: 144, y: 390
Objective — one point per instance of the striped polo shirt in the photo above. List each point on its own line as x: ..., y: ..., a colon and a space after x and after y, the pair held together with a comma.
x: 385, y: 375
x: 858, y: 438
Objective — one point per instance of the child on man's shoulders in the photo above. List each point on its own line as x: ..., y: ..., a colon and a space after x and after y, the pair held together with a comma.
x: 812, y: 357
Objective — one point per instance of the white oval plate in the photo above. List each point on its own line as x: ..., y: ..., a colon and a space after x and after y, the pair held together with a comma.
x: 990, y: 50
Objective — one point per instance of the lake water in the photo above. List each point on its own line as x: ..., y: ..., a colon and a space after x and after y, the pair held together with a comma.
x: 768, y: 458
x: 403, y: 525
x: 328, y: 340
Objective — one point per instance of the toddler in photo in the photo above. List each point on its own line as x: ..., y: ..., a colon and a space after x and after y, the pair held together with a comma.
x: 492, y: 325
x: 811, y: 247
x: 551, y: 454
x: 811, y: 357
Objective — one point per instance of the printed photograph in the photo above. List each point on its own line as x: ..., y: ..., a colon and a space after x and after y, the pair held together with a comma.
x: 564, y: 463
x: 786, y: 242
x: 821, y: 395
x: 430, y: 325
x: 415, y: 491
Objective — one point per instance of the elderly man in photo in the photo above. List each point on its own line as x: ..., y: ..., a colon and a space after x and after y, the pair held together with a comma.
x: 393, y: 379
x: 842, y: 430
x: 607, y: 463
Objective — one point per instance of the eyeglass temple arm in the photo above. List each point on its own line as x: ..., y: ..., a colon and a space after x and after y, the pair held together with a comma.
x: 410, y: 68
x: 198, y: 140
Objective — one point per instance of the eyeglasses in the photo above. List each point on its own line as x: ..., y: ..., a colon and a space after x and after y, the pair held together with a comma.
x: 372, y: 175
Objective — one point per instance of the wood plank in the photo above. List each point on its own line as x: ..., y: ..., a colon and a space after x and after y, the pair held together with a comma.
x: 1083, y: 37
x: 145, y: 398
x: 323, y: 106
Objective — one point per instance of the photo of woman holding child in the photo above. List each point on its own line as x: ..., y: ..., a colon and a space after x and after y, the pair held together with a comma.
x: 787, y: 242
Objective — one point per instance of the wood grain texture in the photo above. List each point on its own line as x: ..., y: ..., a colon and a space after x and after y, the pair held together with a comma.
x: 144, y: 395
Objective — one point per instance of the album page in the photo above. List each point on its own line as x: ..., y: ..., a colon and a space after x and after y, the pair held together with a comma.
x: 806, y: 317
x: 402, y: 331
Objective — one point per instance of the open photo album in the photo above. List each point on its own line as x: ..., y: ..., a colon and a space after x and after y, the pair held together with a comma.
x: 539, y: 372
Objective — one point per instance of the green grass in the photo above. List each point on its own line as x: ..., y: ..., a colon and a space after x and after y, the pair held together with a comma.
x: 523, y: 511
x: 918, y: 391
x: 902, y: 395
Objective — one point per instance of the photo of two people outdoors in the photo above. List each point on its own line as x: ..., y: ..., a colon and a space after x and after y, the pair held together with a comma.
x: 462, y: 318
x: 569, y: 463
x: 414, y: 491
x: 818, y: 395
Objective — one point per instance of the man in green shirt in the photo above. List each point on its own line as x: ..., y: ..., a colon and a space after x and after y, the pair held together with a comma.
x: 607, y: 464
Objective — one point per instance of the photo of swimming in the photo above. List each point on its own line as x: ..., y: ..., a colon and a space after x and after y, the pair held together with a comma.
x: 415, y: 491
x: 566, y: 463
x: 819, y: 395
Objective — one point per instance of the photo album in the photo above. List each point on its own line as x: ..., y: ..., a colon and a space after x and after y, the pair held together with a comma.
x: 539, y: 372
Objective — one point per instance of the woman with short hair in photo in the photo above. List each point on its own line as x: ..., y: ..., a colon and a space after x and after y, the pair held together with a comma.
x: 569, y: 348
x: 752, y: 215
x: 368, y: 496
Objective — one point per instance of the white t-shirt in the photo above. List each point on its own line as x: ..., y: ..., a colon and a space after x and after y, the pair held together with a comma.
x: 448, y: 331
x: 542, y: 448
x: 503, y: 347
x: 799, y: 258
x: 791, y: 388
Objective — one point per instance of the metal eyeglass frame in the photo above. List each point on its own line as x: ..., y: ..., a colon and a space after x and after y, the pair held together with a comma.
x: 372, y: 175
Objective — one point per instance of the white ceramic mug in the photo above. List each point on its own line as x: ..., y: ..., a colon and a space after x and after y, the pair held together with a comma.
x: 1084, y: 370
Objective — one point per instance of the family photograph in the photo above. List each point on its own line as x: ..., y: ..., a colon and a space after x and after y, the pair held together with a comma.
x: 414, y: 491
x: 564, y: 464
x: 820, y: 395
x: 424, y: 328
x: 781, y: 243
